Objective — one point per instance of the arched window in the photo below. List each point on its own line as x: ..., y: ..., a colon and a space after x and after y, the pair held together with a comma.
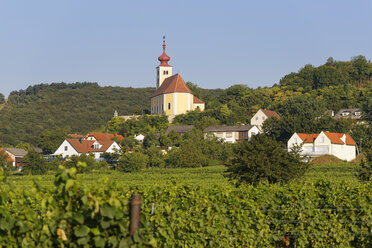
x: 169, y: 105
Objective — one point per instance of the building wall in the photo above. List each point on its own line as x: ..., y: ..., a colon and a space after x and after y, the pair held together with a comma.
x: 183, y: 103
x: 323, y: 146
x: 70, y: 150
x: 258, y: 118
x: 200, y: 105
x: 157, y: 104
x: 169, y: 99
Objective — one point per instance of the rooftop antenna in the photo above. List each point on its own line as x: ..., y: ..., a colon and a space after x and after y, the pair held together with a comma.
x: 163, y: 39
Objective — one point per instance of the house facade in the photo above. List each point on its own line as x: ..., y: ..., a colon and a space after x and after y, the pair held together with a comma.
x: 339, y: 145
x: 261, y: 116
x: 172, y: 96
x: 93, y: 143
x: 352, y: 113
x: 232, y: 134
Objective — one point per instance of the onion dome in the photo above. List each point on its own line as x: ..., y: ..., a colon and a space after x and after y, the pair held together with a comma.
x: 164, y: 58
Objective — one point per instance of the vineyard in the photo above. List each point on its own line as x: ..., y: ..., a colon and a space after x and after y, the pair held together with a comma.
x: 72, y: 213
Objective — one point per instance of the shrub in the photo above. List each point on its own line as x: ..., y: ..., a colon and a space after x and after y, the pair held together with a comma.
x: 34, y: 164
x: 131, y: 162
x: 364, y: 172
x: 74, y: 160
x: 188, y: 155
x: 156, y: 158
x: 263, y: 159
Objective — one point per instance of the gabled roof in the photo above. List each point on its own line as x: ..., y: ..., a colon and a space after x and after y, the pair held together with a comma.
x: 180, y: 129
x: 16, y: 151
x: 335, y: 138
x: 270, y: 113
x: 198, y: 101
x: 228, y: 128
x: 172, y: 84
x: 86, y: 146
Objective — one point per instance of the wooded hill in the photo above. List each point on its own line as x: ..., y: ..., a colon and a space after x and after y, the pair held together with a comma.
x: 84, y: 107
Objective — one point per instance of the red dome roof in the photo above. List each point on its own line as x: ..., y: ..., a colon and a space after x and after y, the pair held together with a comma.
x: 164, y: 58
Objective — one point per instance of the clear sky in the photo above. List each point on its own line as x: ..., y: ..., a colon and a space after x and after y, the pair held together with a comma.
x: 214, y: 44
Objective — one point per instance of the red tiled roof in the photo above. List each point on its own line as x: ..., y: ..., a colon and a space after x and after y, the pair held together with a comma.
x: 101, y: 137
x: 335, y: 138
x: 197, y: 100
x: 172, y: 84
x: 86, y: 146
x: 270, y: 113
x: 308, y: 137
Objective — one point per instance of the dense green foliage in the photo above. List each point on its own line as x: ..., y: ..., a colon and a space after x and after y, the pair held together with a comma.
x: 264, y: 159
x: 84, y: 107
x: 71, y: 214
x: 2, y: 98
x: 50, y: 140
x: 34, y: 164
x: 78, y: 108
x: 130, y: 162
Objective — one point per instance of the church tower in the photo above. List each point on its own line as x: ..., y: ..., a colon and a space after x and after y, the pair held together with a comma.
x: 164, y: 70
x: 172, y: 96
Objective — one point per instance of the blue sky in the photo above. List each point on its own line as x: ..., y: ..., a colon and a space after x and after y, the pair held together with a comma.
x: 214, y: 44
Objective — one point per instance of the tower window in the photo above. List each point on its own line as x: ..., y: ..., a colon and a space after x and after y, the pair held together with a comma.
x: 169, y: 105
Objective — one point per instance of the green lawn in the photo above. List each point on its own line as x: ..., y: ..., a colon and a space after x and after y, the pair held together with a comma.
x: 207, y: 176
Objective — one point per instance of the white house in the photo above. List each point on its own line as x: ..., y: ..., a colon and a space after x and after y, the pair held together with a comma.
x: 317, y: 144
x: 95, y: 143
x: 232, y: 134
x: 139, y: 137
x: 262, y: 115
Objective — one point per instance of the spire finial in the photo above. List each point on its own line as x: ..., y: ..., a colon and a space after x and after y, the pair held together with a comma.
x: 163, y: 43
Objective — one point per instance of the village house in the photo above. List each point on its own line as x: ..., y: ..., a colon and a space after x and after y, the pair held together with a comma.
x: 261, y: 116
x: 339, y: 145
x: 352, y: 113
x: 172, y: 96
x: 15, y: 155
x: 232, y: 134
x: 93, y: 143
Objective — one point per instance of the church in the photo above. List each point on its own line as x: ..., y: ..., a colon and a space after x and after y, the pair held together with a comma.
x: 172, y: 96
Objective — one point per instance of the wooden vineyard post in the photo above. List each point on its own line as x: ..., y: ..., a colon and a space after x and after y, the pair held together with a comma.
x: 135, y: 213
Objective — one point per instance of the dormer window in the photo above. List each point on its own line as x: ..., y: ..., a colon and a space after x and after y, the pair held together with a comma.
x: 345, y: 113
x: 95, y: 146
x: 357, y: 113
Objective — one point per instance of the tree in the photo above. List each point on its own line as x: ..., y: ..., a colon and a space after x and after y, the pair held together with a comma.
x: 150, y: 140
x: 49, y: 141
x: 264, y: 159
x: 205, y: 122
x: 364, y: 171
x: 156, y: 158
x: 188, y: 155
x: 87, y: 160
x: 34, y: 164
x: 165, y: 141
x: 174, y: 137
x: 2, y: 98
x: 4, y: 163
x: 131, y: 162
x: 194, y: 88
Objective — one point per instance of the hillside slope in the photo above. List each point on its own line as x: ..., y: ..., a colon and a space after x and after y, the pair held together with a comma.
x: 79, y: 107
